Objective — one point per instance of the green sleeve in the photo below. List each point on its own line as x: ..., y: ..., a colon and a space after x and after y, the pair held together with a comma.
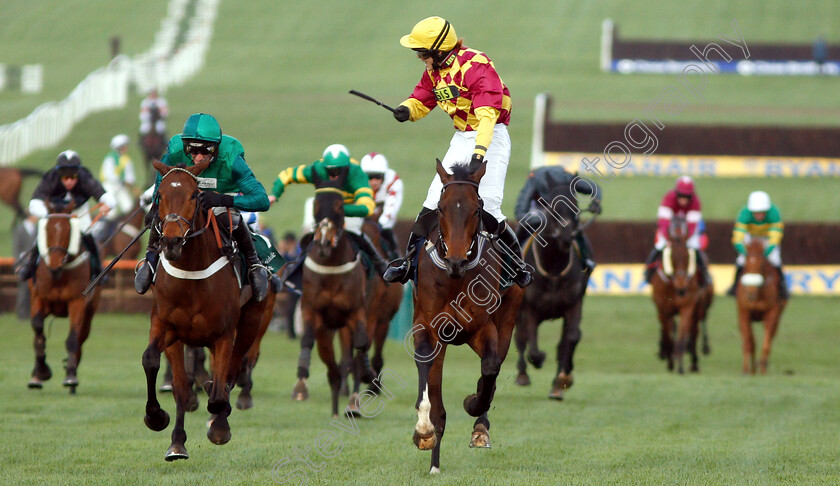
x: 253, y: 197
x: 363, y: 202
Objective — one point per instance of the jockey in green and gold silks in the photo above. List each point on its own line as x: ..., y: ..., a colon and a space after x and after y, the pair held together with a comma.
x: 759, y: 219
x: 226, y: 183
x: 358, y: 204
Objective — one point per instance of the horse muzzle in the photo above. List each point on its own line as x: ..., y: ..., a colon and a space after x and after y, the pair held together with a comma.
x: 172, y: 247
x: 456, y: 267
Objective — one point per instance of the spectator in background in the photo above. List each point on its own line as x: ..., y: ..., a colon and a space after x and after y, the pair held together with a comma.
x: 289, y: 250
x: 153, y: 113
x: 117, y: 176
x: 820, y: 53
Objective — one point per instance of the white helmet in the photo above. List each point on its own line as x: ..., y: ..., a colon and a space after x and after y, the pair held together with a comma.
x: 374, y: 163
x: 336, y: 149
x: 119, y: 141
x: 758, y: 201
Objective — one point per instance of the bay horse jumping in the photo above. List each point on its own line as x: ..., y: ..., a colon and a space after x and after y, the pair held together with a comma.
x: 677, y: 291
x: 757, y: 296
x: 461, y: 303
x: 333, y: 299
x: 11, y: 181
x: 62, y: 275
x: 557, y: 290
x: 197, y: 301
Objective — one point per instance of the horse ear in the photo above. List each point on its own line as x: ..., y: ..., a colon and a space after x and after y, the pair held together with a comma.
x: 199, y: 168
x: 479, y: 173
x: 445, y: 177
x: 160, y: 167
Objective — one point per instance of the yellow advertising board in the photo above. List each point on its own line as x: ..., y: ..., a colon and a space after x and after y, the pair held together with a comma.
x: 628, y: 279
x: 699, y: 165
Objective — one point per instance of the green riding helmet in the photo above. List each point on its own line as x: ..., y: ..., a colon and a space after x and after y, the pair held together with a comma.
x: 203, y: 127
x: 336, y: 160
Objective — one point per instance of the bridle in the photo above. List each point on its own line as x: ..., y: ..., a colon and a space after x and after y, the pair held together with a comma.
x: 186, y: 226
x: 326, y: 221
x: 440, y: 244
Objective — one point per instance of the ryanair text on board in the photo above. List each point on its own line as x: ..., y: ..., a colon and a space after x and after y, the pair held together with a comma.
x: 628, y: 279
x: 709, y: 165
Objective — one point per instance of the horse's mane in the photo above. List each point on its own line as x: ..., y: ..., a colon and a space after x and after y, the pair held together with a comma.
x: 461, y: 171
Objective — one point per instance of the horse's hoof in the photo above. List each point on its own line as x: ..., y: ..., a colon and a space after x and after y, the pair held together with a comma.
x: 192, y: 404
x: 42, y: 374
x: 300, y: 392
x: 556, y: 393
x: 219, y: 408
x: 707, y: 350
x: 353, y: 405
x: 175, y: 452
x: 71, y: 381
x: 35, y: 383
x: 244, y: 402
x: 564, y: 381
x: 537, y: 359
x: 480, y: 437
x: 158, y: 422
x: 434, y: 470
x: 425, y: 442
x: 165, y: 387
x: 208, y: 385
x: 523, y: 380
x: 219, y: 434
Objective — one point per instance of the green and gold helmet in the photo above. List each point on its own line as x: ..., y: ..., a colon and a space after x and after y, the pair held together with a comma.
x: 335, y: 159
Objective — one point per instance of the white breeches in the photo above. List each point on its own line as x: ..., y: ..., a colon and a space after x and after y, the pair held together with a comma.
x: 492, y: 186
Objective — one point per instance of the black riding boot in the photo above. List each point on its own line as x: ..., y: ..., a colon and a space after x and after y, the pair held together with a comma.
x: 145, y: 273
x: 739, y: 269
x: 390, y: 244
x: 257, y: 274
x: 703, y: 268
x: 650, y: 268
x: 366, y: 246
x: 784, y: 293
x: 29, y: 262
x: 292, y: 276
x: 399, y: 270
x: 507, y: 237
x: 95, y: 260
x: 585, y: 251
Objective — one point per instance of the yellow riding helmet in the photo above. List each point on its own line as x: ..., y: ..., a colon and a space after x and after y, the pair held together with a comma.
x: 433, y: 33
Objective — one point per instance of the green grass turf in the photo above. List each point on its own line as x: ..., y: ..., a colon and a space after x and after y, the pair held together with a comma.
x: 277, y: 77
x: 626, y: 420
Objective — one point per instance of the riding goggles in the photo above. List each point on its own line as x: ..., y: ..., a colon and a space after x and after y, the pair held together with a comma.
x: 198, y: 148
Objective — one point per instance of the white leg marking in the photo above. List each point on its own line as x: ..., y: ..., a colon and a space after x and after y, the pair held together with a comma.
x: 434, y: 470
x: 424, y: 424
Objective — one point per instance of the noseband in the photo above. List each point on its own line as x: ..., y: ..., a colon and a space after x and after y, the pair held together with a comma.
x: 182, y: 222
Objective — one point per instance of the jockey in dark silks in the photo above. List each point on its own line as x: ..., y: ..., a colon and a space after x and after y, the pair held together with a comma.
x: 543, y: 183
x: 226, y: 183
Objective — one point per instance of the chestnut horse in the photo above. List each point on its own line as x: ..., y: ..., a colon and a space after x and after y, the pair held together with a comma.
x: 677, y: 291
x: 757, y: 295
x: 461, y: 303
x: 557, y: 290
x: 197, y: 303
x: 60, y: 278
x: 333, y: 299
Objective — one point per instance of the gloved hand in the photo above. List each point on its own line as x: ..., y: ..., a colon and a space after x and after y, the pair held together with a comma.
x: 212, y: 199
x: 595, y: 206
x: 475, y: 162
x: 740, y: 248
x: 402, y: 113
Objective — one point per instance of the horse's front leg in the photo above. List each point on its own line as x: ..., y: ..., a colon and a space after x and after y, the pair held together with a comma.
x: 747, y: 343
x: 361, y: 365
x: 300, y: 391
x: 431, y: 415
x: 484, y: 343
x: 522, y: 378
x: 41, y: 372
x: 219, y: 404
x: 156, y: 418
x: 683, y: 330
x: 80, y: 318
x: 324, y: 341
x: 535, y: 356
x: 566, y: 349
x: 666, y: 343
x: 771, y: 323
x: 182, y: 392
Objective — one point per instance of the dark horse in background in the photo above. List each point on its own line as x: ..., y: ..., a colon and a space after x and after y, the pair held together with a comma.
x: 197, y: 302
x: 152, y: 144
x: 678, y: 290
x: 11, y: 181
x: 333, y: 299
x: 557, y: 290
x: 757, y: 295
x: 56, y: 289
x: 462, y: 303
x: 125, y: 230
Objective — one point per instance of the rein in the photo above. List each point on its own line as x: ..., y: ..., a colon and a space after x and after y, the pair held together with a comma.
x: 538, y: 263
